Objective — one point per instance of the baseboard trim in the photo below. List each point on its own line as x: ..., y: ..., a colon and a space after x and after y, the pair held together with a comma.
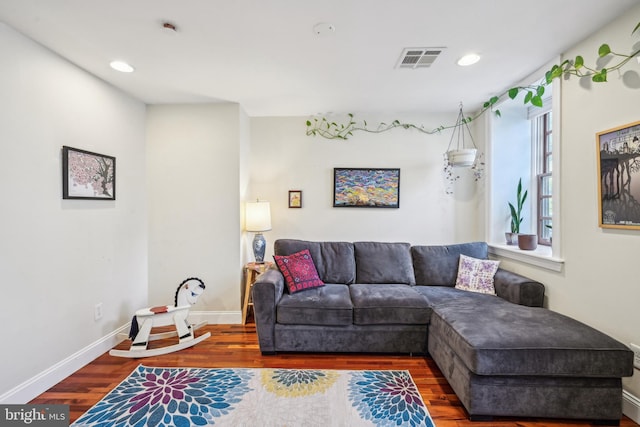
x: 33, y: 387
x: 216, y: 317
x: 46, y: 379
x: 631, y: 406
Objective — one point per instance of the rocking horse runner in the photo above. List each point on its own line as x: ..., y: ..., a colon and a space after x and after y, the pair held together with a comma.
x: 147, y: 318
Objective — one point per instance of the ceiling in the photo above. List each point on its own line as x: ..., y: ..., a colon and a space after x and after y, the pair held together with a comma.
x: 266, y: 56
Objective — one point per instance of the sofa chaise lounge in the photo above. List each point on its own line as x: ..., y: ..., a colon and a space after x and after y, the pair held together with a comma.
x: 503, y: 354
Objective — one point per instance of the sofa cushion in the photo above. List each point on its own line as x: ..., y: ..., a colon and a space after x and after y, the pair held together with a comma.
x: 492, y: 336
x: 444, y: 295
x: 438, y: 265
x: 476, y: 275
x: 299, y: 271
x: 334, y: 261
x: 328, y: 305
x: 378, y: 262
x: 388, y: 304
x: 339, y: 262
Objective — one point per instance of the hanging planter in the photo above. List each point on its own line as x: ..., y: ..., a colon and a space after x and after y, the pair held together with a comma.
x: 460, y: 153
x: 464, y: 157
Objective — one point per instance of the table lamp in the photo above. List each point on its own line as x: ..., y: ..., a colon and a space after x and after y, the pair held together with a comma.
x: 257, y: 220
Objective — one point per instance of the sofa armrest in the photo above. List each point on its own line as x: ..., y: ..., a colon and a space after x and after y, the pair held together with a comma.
x: 266, y: 292
x: 518, y: 289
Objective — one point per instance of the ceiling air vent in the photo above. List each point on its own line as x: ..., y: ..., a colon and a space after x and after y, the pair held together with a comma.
x: 419, y: 57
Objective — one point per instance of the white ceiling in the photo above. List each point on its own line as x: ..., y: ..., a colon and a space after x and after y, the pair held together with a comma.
x: 265, y: 55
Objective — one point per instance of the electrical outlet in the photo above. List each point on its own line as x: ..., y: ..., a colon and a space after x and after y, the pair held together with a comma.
x: 97, y: 311
x: 636, y: 354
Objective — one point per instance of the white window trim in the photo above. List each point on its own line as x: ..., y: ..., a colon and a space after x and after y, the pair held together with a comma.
x: 544, y: 256
x: 541, y: 257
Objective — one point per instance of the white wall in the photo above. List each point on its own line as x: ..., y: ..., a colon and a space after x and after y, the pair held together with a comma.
x: 194, y: 157
x: 245, y: 175
x: 283, y: 158
x: 58, y: 258
x: 600, y: 284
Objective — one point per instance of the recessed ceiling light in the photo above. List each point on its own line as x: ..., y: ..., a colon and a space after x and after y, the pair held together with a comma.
x: 121, y: 66
x: 469, y: 59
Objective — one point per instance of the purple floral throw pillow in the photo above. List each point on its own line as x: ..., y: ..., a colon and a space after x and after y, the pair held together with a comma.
x: 299, y: 271
x: 476, y: 275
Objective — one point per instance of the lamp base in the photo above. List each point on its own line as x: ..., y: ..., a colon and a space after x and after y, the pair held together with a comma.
x: 259, y: 246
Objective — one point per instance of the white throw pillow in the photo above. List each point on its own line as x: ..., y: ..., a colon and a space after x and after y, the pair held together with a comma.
x: 476, y: 275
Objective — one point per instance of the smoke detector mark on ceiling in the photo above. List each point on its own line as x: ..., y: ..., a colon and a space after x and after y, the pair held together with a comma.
x: 419, y: 57
x: 323, y: 29
x: 169, y: 26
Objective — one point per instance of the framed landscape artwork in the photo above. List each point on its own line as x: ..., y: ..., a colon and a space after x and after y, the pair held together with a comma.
x: 366, y: 188
x: 87, y: 175
x: 619, y: 171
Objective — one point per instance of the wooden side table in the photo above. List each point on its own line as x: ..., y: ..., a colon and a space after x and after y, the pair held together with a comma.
x: 251, y: 272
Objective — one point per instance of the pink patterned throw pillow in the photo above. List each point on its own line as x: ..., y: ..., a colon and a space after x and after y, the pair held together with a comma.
x: 476, y: 275
x: 299, y: 271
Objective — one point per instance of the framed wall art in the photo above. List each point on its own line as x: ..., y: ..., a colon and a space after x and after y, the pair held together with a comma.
x: 366, y: 188
x: 295, y: 198
x: 618, y: 154
x: 87, y: 175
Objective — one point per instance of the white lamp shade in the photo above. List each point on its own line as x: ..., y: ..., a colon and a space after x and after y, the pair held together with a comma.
x: 257, y: 216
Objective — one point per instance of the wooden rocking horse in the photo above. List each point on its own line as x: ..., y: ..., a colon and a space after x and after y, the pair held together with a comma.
x: 147, y: 318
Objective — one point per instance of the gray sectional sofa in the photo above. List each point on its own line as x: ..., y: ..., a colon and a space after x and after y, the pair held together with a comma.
x: 503, y: 354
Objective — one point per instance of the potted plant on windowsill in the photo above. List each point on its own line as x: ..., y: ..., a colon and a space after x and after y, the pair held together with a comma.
x: 516, y: 215
x: 527, y: 242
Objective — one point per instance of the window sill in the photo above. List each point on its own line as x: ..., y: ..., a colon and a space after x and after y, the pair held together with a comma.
x: 540, y: 257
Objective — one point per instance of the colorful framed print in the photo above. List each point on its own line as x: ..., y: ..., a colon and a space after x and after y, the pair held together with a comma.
x: 295, y: 198
x: 366, y: 187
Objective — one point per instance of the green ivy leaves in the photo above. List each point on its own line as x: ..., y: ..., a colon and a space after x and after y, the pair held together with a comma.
x: 332, y: 130
x: 604, y: 50
x: 533, y: 95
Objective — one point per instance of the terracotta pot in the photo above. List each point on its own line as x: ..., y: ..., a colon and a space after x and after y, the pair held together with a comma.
x: 527, y: 242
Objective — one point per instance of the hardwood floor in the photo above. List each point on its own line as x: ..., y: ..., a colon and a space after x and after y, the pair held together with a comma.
x: 237, y: 346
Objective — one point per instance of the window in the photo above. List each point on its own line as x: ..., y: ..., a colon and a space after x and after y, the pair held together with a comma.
x: 543, y: 146
x: 521, y: 145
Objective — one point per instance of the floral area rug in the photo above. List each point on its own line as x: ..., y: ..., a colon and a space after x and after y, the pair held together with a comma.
x: 185, y: 397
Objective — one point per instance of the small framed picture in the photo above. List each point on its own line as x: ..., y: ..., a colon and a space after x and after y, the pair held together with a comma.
x: 87, y: 175
x: 295, y: 198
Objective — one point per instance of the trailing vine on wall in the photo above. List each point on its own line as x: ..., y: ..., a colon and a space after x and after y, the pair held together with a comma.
x: 533, y: 94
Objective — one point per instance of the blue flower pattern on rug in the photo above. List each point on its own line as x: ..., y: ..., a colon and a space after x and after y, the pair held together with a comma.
x: 182, y: 397
x: 166, y: 397
x: 388, y: 398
